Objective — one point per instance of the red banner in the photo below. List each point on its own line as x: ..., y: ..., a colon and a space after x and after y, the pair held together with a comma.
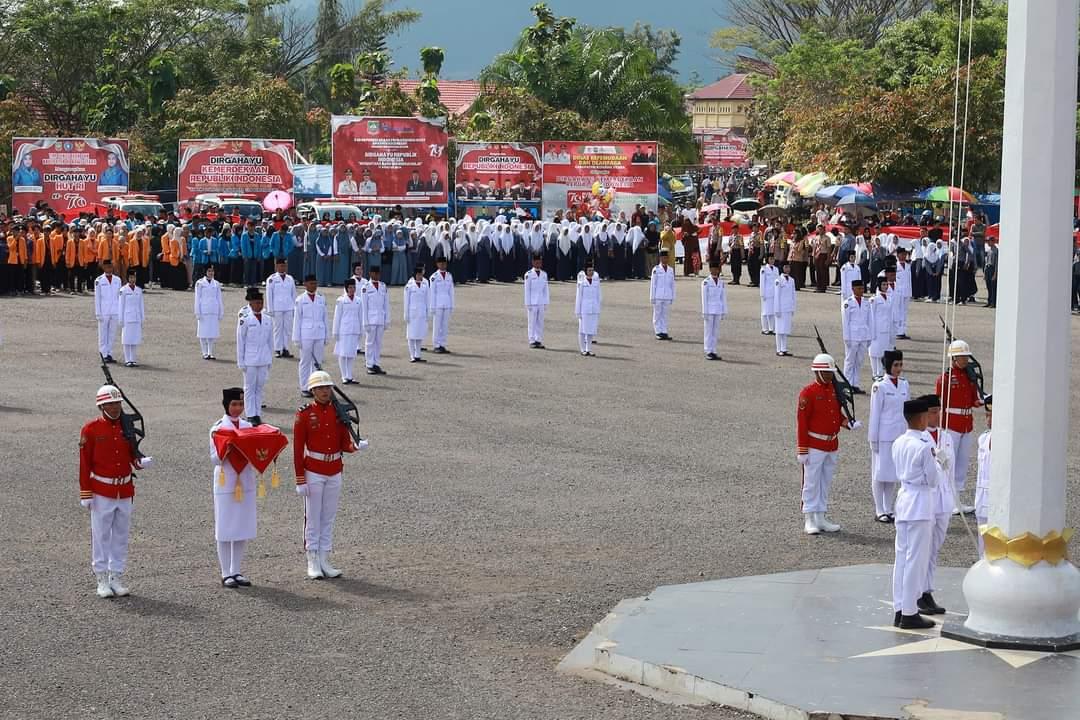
x: 234, y: 166
x: 70, y: 174
x: 608, y: 178
x: 498, y: 173
x: 389, y: 160
x: 723, y: 149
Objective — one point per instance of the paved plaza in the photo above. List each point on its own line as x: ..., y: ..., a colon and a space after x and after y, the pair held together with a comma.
x: 510, y: 498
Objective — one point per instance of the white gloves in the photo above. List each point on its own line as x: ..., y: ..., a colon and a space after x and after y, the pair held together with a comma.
x: 854, y: 425
x: 86, y: 503
x: 804, y: 459
x: 302, y: 490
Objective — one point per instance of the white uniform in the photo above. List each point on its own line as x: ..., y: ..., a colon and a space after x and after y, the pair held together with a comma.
x: 132, y: 315
x: 886, y: 424
x: 902, y: 296
x: 767, y: 290
x: 107, y: 311
x: 661, y: 295
x: 280, y: 304
x: 882, y: 331
x: 309, y: 332
x: 848, y: 271
x: 376, y: 299
x: 537, y: 298
x: 347, y: 329
x: 856, y: 318
x: 234, y: 520
x: 441, y: 306
x: 913, y: 456
x: 982, y: 485
x: 713, y: 309
x: 254, y: 353
x: 417, y: 300
x: 587, y: 301
x: 944, y: 500
x: 784, y: 304
x: 209, y: 310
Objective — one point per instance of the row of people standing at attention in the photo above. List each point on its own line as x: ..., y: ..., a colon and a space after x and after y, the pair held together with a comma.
x: 108, y: 462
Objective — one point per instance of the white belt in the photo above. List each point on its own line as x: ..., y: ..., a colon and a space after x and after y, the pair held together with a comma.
x: 959, y: 411
x: 325, y: 457
x: 818, y: 436
x: 111, y: 481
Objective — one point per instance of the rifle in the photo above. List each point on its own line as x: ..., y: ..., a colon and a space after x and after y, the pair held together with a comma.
x: 132, y: 424
x: 845, y: 394
x: 347, y: 413
x: 973, y: 369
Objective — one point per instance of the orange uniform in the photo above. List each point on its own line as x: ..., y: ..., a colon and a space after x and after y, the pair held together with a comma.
x: 104, y: 452
x: 104, y: 249
x: 963, y: 395
x: 38, y: 244
x: 15, y: 251
x: 818, y: 420
x: 56, y: 247
x: 319, y: 439
x: 71, y: 250
x: 176, y: 252
x: 87, y: 252
x: 134, y: 253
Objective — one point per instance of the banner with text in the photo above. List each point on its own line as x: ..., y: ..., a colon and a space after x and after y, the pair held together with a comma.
x: 498, y: 175
x: 722, y: 149
x: 70, y: 174
x: 234, y: 166
x: 389, y: 160
x: 604, y: 177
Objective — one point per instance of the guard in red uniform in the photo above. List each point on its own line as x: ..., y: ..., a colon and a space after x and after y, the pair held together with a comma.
x: 958, y: 400
x: 106, y: 489
x: 319, y: 439
x: 818, y: 423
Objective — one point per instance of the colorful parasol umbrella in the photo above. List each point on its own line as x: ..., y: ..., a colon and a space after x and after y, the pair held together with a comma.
x: 771, y: 211
x: 857, y: 204
x: 807, y: 185
x: 787, y: 177
x: 715, y: 207
x: 277, y: 200
x: 948, y: 193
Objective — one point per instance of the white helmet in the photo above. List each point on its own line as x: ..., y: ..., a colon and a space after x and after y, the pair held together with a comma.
x: 959, y: 348
x: 319, y: 378
x: 108, y: 394
x: 823, y: 362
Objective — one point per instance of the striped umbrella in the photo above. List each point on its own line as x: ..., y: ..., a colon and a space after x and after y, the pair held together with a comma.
x: 948, y: 193
x: 788, y: 177
x: 807, y: 185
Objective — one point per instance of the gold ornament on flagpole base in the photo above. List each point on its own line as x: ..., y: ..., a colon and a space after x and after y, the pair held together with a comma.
x: 1027, y: 549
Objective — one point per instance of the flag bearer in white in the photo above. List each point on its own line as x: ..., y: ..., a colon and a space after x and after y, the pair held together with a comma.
x: 662, y: 295
x: 587, y: 301
x: 537, y: 299
x: 234, y: 496
x: 280, y: 304
x: 107, y: 309
x: 254, y: 340
x: 441, y: 304
x: 209, y: 310
x: 944, y: 498
x: 767, y: 290
x: 857, y: 322
x: 887, y: 398
x: 417, y: 301
x: 376, y: 299
x: 132, y: 314
x: 713, y: 307
x: 348, y: 327
x: 903, y: 292
x: 309, y: 329
x: 784, y: 304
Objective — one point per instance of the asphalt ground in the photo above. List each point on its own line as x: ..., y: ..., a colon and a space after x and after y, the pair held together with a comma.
x: 509, y: 499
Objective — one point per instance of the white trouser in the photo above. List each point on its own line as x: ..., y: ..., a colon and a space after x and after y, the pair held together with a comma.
x: 877, y: 364
x: 230, y: 555
x: 940, y: 528
x: 712, y: 329
x: 781, y: 342
x: 311, y: 352
x: 414, y: 348
x: 585, y: 342
x: 110, y: 523
x: 345, y: 364
x: 768, y: 322
x: 817, y: 477
x: 853, y: 360
x: 207, y: 345
x: 440, y: 327
x: 535, y: 314
x: 962, y: 445
x: 914, y: 538
x: 255, y: 377
x: 283, y: 322
x: 901, y: 316
x: 661, y: 309
x: 106, y: 332
x: 884, y: 492
x: 373, y: 344
x: 129, y: 353
x: 320, y: 510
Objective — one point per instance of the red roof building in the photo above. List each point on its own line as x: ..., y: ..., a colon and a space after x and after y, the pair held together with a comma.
x: 722, y: 105
x: 457, y: 95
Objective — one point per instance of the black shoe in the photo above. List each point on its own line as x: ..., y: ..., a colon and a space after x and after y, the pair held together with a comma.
x: 413, y: 360
x: 350, y: 381
x: 711, y: 356
x: 771, y: 332
x: 858, y: 391
x: 764, y: 332
x: 903, y: 337
x: 205, y: 357
x: 882, y: 518
x: 306, y: 394
x: 915, y: 622
x: 379, y: 370
x: 892, y: 518
x: 540, y: 346
x: 212, y: 357
x: 896, y: 618
x: 666, y: 336
x: 109, y: 359
x: 372, y: 371
x: 928, y: 606
x: 242, y: 581
x: 129, y: 364
x: 286, y: 353
x: 277, y: 354
x: 440, y: 350
x: 584, y: 354
x: 230, y: 582
x: 659, y: 336
x: 256, y: 421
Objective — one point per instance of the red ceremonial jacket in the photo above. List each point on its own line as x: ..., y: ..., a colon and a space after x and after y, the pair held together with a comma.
x: 963, y: 396
x: 104, y: 451
x: 318, y: 429
x: 818, y: 413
